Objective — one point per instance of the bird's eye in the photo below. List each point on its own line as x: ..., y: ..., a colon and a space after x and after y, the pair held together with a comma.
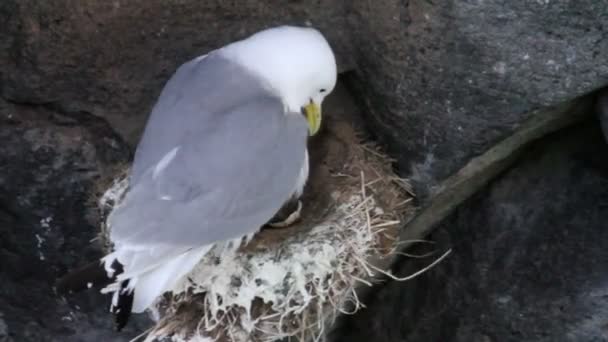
x: 323, y: 90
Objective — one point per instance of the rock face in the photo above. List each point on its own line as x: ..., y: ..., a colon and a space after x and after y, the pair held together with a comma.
x: 49, y: 164
x: 601, y: 110
x: 112, y: 58
x: 445, y: 80
x: 441, y: 82
x: 529, y: 258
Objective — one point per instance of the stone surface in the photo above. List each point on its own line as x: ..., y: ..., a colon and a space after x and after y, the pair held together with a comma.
x: 529, y: 258
x: 111, y: 58
x: 50, y: 164
x: 601, y: 110
x: 479, y: 171
x: 4, y: 331
x: 445, y: 80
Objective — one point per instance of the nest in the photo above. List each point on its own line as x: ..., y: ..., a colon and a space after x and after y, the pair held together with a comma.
x: 292, y: 282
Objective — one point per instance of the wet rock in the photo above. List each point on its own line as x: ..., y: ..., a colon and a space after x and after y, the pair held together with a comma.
x: 529, y: 258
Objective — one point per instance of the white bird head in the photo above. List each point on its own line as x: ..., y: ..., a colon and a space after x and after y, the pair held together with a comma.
x: 297, y: 63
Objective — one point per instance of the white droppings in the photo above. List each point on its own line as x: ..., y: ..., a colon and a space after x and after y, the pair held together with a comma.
x: 166, y: 198
x: 196, y: 338
x: 553, y: 65
x: 39, y: 242
x: 89, y: 285
x: 46, y: 222
x: 500, y: 68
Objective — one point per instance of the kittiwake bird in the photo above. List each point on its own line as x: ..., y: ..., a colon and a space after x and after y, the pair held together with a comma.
x: 224, y: 149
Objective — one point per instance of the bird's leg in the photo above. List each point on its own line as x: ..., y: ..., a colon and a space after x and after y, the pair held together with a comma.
x: 287, y: 215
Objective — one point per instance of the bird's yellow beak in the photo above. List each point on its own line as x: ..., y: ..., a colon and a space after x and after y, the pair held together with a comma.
x: 313, y: 116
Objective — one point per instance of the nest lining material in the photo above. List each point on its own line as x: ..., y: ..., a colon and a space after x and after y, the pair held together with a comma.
x: 291, y: 282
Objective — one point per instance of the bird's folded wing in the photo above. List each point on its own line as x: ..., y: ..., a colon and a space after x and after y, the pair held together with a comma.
x: 211, y: 166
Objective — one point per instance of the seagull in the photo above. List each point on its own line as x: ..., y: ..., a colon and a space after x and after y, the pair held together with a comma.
x: 223, y: 150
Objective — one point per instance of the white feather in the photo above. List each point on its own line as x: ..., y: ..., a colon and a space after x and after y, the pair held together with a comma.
x: 151, y: 272
x: 164, y: 162
x: 302, y: 177
x: 305, y: 65
x: 154, y: 283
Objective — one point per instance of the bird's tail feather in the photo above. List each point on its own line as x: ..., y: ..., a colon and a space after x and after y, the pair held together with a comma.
x: 135, y: 285
x: 155, y: 282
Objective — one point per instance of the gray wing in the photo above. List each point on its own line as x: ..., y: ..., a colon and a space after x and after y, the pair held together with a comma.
x: 233, y: 160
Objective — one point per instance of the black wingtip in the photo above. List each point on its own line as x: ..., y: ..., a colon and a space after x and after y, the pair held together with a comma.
x: 122, y: 310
